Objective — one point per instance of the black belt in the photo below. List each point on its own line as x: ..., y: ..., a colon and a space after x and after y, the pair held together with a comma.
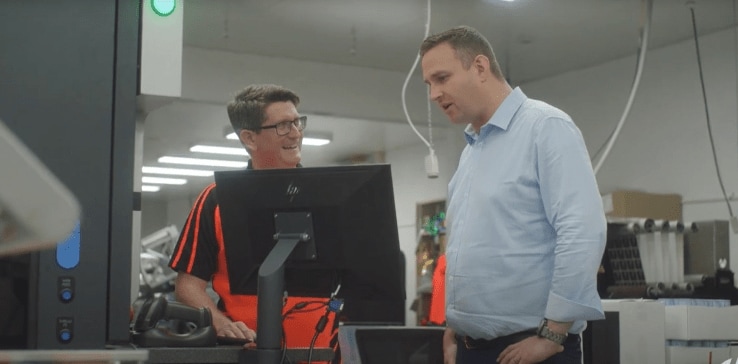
x: 502, y: 341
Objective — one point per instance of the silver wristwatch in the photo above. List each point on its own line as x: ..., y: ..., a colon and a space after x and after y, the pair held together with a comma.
x: 544, y: 332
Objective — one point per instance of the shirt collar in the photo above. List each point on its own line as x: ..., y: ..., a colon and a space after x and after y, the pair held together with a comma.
x: 251, y: 166
x: 501, y: 118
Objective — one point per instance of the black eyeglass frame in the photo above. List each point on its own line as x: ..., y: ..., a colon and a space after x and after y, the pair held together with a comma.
x: 286, y: 126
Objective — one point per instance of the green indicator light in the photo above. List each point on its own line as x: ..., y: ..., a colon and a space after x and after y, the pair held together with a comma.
x: 163, y: 7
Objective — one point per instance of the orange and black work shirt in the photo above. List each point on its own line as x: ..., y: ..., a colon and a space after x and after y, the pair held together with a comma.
x: 200, y: 252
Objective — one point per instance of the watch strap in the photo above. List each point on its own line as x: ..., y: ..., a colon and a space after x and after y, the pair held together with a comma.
x: 546, y: 333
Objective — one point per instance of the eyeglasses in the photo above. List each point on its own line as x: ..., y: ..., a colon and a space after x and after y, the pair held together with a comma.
x: 285, y: 127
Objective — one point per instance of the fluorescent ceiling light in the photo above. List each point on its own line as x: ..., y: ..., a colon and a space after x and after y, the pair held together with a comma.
x: 218, y: 150
x: 202, y: 162
x: 149, y: 188
x: 315, y: 141
x: 318, y: 141
x: 177, y: 171
x: 163, y: 181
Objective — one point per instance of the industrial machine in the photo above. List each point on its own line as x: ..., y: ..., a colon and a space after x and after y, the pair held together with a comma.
x: 76, y: 113
x: 647, y: 258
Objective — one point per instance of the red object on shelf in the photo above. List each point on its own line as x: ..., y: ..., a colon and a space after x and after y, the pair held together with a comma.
x: 438, y: 296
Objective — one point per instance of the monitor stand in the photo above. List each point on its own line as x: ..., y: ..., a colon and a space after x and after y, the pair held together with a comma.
x: 292, y: 228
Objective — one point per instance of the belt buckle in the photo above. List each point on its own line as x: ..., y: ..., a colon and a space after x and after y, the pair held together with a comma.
x: 466, y: 343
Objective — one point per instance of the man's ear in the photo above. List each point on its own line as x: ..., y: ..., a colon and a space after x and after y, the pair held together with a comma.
x: 481, y: 65
x: 247, y: 138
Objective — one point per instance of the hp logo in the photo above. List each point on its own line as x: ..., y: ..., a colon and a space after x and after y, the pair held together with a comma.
x: 292, y: 191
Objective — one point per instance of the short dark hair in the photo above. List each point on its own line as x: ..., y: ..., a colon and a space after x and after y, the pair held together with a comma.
x: 246, y: 111
x: 468, y: 43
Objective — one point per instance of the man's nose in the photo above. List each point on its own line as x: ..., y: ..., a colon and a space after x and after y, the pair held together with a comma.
x: 434, y: 93
x: 294, y: 131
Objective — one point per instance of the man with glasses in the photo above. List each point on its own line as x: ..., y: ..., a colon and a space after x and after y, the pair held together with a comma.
x: 268, y: 125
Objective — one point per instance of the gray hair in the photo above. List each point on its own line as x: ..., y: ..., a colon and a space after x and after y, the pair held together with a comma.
x: 246, y: 111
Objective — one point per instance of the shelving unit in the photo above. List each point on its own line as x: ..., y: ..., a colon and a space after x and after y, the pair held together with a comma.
x: 429, y: 246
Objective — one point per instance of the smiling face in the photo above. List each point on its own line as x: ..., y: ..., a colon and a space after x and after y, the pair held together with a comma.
x: 455, y: 89
x: 269, y: 150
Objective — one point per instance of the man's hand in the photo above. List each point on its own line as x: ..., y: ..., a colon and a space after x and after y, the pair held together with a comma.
x: 449, y: 346
x: 531, y: 350
x: 235, y: 329
x: 190, y: 290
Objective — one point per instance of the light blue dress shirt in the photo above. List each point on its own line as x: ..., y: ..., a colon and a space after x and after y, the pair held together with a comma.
x: 526, y: 225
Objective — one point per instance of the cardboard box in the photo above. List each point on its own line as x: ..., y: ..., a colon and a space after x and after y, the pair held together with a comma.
x: 701, y: 323
x: 624, y: 203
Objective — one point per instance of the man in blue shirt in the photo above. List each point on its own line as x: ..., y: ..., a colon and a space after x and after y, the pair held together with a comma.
x: 525, y: 219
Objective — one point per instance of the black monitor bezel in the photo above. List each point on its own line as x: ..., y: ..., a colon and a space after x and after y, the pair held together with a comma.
x: 269, y: 193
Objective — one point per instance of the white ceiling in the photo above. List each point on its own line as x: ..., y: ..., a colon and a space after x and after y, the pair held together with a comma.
x: 353, y: 140
x: 532, y: 39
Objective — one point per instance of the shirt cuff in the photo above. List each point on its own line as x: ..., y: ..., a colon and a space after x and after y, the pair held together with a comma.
x: 563, y: 310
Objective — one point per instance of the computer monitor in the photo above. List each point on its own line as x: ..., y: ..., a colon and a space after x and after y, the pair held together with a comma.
x: 342, y: 224
x: 391, y: 344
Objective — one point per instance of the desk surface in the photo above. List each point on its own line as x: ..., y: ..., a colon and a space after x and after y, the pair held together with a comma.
x: 224, y: 354
x: 74, y: 356
x: 219, y: 354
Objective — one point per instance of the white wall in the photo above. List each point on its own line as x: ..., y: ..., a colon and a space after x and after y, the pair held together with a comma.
x: 412, y: 186
x: 663, y: 148
x: 664, y: 145
x: 348, y: 91
x: 153, y: 216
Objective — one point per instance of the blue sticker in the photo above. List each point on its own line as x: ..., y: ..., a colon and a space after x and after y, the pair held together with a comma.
x: 67, y: 252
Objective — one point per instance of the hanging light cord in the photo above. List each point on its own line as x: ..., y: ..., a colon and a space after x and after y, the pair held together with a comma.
x: 707, y: 112
x: 407, y: 81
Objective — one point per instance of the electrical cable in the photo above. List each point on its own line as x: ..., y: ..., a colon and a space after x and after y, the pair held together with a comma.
x: 407, y: 81
x: 296, y: 308
x: 338, y: 289
x: 599, y: 150
x: 735, y: 54
x: 332, y: 305
x: 300, y: 307
x: 432, y: 162
x: 319, y: 327
x: 284, y: 348
x: 284, y: 345
x: 312, y: 346
x: 707, y: 112
x: 430, y: 124
x: 636, y: 82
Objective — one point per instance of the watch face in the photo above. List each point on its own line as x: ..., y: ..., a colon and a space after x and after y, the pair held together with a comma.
x: 541, y: 325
